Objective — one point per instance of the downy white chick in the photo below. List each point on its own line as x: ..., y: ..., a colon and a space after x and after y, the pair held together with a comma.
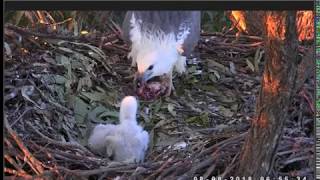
x: 98, y: 136
x: 129, y: 142
x: 125, y: 142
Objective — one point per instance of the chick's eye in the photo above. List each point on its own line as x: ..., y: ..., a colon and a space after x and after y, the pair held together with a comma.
x: 150, y: 67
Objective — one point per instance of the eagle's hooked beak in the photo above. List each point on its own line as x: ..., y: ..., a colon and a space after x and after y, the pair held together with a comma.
x: 142, y: 78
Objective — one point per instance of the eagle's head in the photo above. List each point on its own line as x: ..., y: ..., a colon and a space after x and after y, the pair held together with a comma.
x: 153, y: 64
x: 152, y: 76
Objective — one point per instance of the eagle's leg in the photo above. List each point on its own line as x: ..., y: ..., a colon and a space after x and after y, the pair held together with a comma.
x: 171, y: 87
x: 135, y: 77
x: 133, y: 63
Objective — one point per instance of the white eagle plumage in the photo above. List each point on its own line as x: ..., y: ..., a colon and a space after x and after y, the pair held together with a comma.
x: 156, y: 52
x: 125, y: 142
x: 149, y: 45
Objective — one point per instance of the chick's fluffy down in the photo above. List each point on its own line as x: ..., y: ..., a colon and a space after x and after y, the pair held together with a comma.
x: 98, y: 136
x: 125, y: 142
x: 129, y: 143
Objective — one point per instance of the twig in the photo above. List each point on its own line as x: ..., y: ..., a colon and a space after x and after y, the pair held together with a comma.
x: 57, y: 105
x: 222, y: 129
x: 24, y: 31
x: 224, y: 47
x: 229, y: 168
x: 310, y: 102
x: 194, y: 168
x: 235, y: 138
x: 158, y: 171
x: 17, y: 173
x: 101, y: 170
x: 117, y: 46
x: 15, y: 165
x: 21, y: 116
x: 103, y: 176
x: 231, y: 36
x: 239, y: 45
x: 293, y: 151
x: 234, y: 25
x: 92, y: 160
x: 209, y: 171
x: 58, y: 23
x: 302, y: 173
x: 60, y: 143
x: 302, y: 158
x: 32, y: 161
x: 174, y: 168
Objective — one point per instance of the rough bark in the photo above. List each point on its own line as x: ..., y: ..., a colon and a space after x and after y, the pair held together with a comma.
x: 252, y: 20
x: 277, y: 87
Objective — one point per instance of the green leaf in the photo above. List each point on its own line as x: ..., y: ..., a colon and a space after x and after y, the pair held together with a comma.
x: 225, y: 111
x: 8, y: 49
x: 95, y: 96
x: 59, y: 90
x: 257, y: 59
x: 18, y: 17
x: 111, y: 114
x: 53, y: 79
x: 201, y: 120
x: 84, y: 82
x: 66, y: 49
x: 81, y: 110
x: 157, y: 106
x: 101, y: 114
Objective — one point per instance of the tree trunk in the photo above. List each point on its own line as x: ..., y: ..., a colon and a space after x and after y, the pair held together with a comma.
x: 250, y: 22
x: 277, y: 88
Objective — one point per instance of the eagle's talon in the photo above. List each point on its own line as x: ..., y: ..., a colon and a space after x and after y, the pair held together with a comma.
x: 135, y: 84
x: 170, y: 89
x: 168, y: 93
x: 174, y: 93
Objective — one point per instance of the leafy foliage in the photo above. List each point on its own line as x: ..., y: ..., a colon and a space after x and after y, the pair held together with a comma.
x: 214, y: 21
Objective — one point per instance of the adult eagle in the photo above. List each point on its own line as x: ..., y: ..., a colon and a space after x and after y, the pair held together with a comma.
x: 160, y: 42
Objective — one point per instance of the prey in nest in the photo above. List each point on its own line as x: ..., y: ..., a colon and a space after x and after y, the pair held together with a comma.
x: 154, y: 88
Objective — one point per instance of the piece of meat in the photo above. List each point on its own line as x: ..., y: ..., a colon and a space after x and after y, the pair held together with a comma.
x: 153, y: 89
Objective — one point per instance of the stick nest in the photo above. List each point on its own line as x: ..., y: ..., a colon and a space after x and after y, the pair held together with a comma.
x: 58, y: 87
